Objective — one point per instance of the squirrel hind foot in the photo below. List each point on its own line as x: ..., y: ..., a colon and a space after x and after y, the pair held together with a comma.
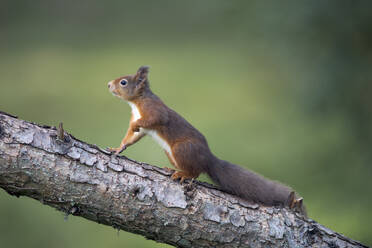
x: 181, y: 175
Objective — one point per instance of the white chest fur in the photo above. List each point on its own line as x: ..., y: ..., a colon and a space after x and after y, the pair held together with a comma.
x: 137, y: 115
x: 135, y: 112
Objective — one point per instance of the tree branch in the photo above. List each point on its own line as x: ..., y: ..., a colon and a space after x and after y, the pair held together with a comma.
x: 83, y: 180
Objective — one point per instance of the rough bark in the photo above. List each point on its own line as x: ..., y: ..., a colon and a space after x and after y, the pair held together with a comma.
x: 84, y: 180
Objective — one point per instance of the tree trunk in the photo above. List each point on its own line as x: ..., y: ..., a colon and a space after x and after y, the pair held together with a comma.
x: 84, y: 180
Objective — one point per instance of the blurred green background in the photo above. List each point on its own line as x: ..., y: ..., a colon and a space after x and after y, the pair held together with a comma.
x: 281, y: 87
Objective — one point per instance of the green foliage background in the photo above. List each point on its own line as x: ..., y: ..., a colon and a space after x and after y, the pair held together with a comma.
x: 281, y: 87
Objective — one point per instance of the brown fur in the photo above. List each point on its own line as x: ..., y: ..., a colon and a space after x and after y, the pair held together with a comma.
x: 190, y: 153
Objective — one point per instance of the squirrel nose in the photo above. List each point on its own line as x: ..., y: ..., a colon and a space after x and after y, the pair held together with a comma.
x: 109, y: 84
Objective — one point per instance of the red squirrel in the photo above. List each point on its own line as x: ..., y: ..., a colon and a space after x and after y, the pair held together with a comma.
x: 187, y: 149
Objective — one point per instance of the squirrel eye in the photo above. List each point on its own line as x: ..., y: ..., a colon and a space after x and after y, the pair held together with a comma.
x: 123, y: 82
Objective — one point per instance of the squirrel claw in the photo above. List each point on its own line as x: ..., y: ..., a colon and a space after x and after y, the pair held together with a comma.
x: 191, y: 182
x: 110, y: 150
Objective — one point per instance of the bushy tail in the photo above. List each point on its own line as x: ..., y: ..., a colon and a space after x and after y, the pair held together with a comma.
x: 251, y: 186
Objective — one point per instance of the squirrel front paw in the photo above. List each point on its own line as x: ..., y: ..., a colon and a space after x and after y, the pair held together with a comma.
x: 116, y: 151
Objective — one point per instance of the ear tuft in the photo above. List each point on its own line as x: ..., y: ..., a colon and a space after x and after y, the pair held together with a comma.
x: 143, y: 71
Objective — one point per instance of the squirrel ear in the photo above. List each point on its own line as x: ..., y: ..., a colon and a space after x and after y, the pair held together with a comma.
x: 142, y: 73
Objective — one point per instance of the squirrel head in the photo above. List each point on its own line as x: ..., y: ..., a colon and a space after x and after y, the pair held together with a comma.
x: 130, y: 87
